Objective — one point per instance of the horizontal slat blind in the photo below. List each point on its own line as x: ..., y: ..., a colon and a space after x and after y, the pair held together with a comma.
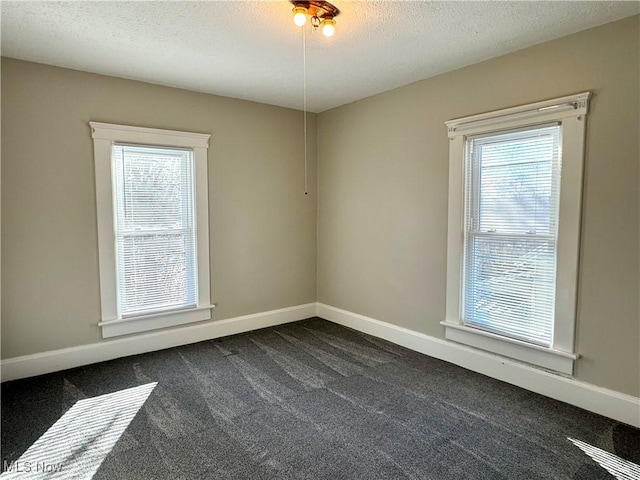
x: 511, y: 214
x: 155, y: 229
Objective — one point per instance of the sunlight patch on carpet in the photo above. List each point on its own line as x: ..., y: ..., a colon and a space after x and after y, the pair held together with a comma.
x: 76, y: 445
x: 618, y: 467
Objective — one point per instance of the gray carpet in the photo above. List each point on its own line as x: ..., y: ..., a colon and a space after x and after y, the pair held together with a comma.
x: 314, y: 400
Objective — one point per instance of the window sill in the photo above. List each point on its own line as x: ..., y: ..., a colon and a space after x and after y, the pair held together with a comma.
x: 548, y: 358
x: 126, y: 326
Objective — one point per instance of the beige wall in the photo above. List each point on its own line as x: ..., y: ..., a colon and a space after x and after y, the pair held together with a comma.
x: 383, y: 173
x: 262, y: 228
x: 382, y: 211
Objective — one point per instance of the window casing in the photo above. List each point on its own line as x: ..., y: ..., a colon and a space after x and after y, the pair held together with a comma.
x: 152, y: 209
x: 515, y: 187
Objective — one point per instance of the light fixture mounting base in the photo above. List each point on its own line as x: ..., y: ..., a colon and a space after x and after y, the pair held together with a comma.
x: 318, y: 8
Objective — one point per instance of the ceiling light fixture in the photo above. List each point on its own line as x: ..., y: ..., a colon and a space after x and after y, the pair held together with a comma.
x: 328, y: 26
x: 322, y: 15
x: 299, y: 16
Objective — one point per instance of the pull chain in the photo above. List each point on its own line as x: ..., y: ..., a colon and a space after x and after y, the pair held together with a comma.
x: 304, y: 106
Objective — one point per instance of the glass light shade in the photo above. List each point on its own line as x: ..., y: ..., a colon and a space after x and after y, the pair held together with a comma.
x: 328, y: 27
x: 299, y: 16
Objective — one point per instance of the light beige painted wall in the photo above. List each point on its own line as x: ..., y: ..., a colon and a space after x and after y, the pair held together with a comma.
x: 383, y: 172
x: 381, y: 213
x: 262, y: 227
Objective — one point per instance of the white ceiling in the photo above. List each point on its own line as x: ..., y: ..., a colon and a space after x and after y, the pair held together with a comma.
x: 252, y: 50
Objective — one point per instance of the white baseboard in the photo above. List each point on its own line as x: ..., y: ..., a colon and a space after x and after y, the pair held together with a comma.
x: 53, y: 361
x: 610, y: 403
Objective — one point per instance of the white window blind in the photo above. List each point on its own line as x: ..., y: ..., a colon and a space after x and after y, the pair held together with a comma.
x: 511, y: 221
x: 155, y: 229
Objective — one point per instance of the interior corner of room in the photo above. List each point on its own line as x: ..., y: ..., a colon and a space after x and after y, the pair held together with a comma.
x: 366, y: 248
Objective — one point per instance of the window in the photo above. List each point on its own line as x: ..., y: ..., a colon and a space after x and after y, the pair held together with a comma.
x: 151, y: 192
x: 511, y: 214
x: 515, y: 187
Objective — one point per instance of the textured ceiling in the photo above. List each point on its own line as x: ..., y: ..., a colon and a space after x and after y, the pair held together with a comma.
x: 252, y: 50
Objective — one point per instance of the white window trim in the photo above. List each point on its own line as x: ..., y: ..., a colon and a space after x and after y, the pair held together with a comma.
x: 571, y: 111
x: 104, y: 135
